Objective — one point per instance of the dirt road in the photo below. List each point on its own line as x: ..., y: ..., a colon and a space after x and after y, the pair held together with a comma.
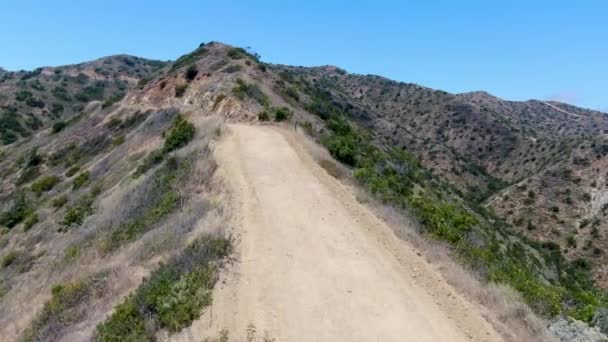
x: 315, y: 265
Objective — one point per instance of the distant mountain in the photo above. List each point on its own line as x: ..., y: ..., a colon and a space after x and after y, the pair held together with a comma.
x: 31, y: 100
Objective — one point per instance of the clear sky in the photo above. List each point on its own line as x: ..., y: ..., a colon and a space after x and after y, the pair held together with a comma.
x: 514, y: 49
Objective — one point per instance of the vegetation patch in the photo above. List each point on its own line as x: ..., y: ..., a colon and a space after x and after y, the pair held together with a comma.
x: 75, y: 214
x: 112, y: 100
x: 180, y: 134
x: 67, y: 306
x: 482, y: 241
x: 30, y: 221
x: 19, y: 210
x: 44, y: 184
x: 172, y: 297
x: 180, y: 89
x: 244, y: 90
x: 189, y: 58
x: 81, y: 179
x: 161, y: 199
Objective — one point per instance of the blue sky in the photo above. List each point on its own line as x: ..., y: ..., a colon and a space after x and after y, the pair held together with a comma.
x: 513, y: 49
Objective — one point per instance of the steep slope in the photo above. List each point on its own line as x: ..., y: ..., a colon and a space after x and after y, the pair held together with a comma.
x: 548, y: 157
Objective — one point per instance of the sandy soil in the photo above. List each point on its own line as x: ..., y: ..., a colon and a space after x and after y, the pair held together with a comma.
x: 312, y: 264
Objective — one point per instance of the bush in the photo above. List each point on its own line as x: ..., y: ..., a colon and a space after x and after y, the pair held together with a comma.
x: 172, y: 297
x: 112, y: 100
x: 180, y: 89
x: 125, y: 324
x: 293, y: 93
x: 76, y: 214
x: 30, y: 221
x: 58, y: 126
x: 72, y: 171
x: 23, y: 95
x: 343, y: 148
x: 9, y: 258
x: 44, y: 184
x: 57, y: 109
x: 263, y: 116
x: 179, y: 134
x: 191, y: 72
x: 67, y: 306
x: 161, y: 200
x: 244, y: 90
x: 81, y: 179
x: 60, y: 201
x: 17, y: 212
x: 151, y: 160
x: 237, y: 53
x: 281, y: 114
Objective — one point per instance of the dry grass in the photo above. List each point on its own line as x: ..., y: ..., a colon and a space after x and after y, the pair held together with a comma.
x: 72, y: 256
x: 507, y: 311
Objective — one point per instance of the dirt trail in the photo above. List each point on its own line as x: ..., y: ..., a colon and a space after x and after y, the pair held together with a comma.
x: 315, y: 265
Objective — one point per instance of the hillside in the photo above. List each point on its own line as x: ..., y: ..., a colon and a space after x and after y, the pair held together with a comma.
x: 32, y: 100
x: 124, y: 176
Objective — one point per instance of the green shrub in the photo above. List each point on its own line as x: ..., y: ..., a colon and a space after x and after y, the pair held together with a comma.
x: 58, y: 126
x: 57, y: 109
x: 112, y: 100
x: 30, y: 221
x: 72, y: 252
x: 119, y: 140
x: 28, y: 175
x: 293, y: 93
x: 72, y: 171
x: 343, y: 148
x: 9, y: 258
x: 90, y: 93
x: 180, y: 89
x: 162, y: 199
x: 76, y: 213
x: 180, y: 134
x: 191, y: 73
x: 114, y: 123
x: 44, y: 184
x: 172, y: 297
x: 81, y: 179
x: 23, y: 95
x: 237, y: 53
x: 61, y: 93
x: 281, y: 114
x: 232, y: 68
x: 17, y: 212
x: 66, y: 307
x: 244, y: 90
x: 34, y: 102
x: 125, y: 324
x: 189, y: 58
x: 152, y: 159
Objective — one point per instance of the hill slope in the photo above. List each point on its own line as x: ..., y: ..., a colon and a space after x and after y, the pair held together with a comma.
x: 515, y: 188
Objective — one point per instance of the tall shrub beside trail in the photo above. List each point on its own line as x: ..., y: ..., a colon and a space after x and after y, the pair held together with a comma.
x: 179, y: 135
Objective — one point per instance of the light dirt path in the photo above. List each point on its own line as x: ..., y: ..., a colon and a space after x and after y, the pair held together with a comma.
x: 315, y: 265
